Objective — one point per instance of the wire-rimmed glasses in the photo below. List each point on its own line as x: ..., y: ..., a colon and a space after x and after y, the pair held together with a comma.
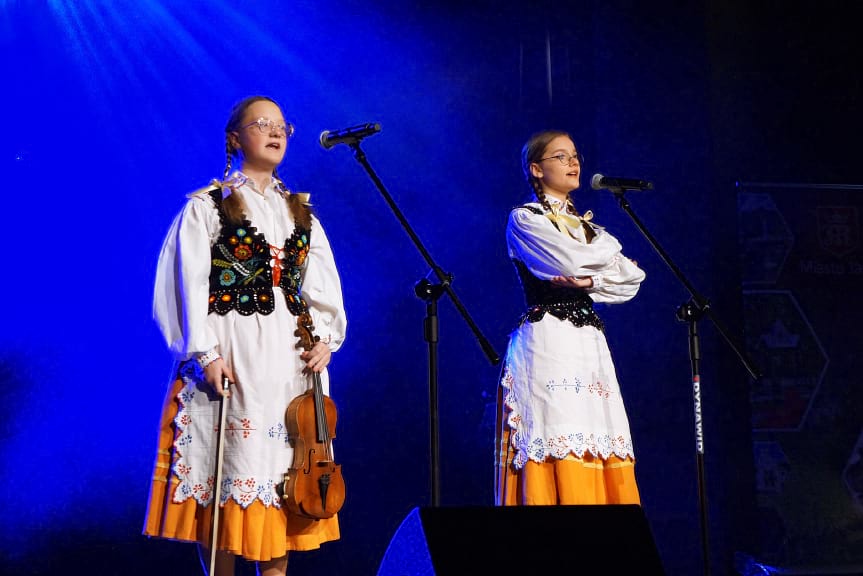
x: 566, y: 159
x: 267, y: 126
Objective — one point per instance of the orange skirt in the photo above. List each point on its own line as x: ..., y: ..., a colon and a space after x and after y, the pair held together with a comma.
x: 257, y: 533
x: 570, y: 481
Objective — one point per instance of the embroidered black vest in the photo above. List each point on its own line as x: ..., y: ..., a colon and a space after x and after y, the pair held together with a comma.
x: 543, y: 297
x: 241, y: 277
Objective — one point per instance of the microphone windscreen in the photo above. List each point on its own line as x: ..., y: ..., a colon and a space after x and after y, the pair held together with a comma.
x: 596, y: 181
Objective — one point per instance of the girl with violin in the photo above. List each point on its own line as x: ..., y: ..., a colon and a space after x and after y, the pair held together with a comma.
x: 562, y: 430
x: 242, y: 261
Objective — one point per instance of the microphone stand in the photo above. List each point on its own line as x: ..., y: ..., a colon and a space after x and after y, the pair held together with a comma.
x: 429, y: 292
x: 691, y: 312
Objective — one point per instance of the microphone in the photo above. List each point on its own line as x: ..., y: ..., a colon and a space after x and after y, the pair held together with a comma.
x: 352, y: 135
x: 599, y: 182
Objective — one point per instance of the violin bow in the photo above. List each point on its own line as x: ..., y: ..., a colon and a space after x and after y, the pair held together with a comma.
x: 217, y: 491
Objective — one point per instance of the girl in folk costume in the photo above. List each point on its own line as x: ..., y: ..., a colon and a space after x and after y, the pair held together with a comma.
x: 243, y: 259
x: 562, y: 430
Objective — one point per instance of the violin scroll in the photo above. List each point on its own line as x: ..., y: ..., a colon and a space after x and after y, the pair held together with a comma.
x: 306, y: 332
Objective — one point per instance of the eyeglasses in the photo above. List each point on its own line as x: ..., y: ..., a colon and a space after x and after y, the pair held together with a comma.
x: 566, y: 159
x: 267, y: 126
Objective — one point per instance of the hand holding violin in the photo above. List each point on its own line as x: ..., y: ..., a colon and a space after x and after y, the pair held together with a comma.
x: 317, y: 358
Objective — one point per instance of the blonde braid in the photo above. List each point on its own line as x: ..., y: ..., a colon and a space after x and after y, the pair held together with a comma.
x: 570, y: 205
x: 540, y: 195
x: 229, y: 153
x: 300, y: 212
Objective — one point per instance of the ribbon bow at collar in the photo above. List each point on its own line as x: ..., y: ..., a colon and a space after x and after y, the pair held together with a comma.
x: 237, y: 179
x: 561, y: 218
x: 226, y: 186
x: 285, y: 192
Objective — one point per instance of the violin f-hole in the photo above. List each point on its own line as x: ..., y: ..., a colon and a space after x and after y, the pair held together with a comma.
x: 308, y: 468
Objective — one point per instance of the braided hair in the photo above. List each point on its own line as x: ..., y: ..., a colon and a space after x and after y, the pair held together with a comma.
x: 532, y: 152
x: 233, y: 205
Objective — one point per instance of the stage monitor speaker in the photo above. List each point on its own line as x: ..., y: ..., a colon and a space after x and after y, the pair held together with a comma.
x: 577, y: 540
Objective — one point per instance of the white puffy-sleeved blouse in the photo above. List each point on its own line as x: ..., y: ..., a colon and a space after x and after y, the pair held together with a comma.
x: 261, y: 349
x: 559, y: 381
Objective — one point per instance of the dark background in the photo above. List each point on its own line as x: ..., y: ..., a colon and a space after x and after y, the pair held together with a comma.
x: 115, y: 110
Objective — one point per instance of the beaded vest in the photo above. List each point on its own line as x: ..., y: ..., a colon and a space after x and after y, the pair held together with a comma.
x: 543, y: 297
x: 241, y: 277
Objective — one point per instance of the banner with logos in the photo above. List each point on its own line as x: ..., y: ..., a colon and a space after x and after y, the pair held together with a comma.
x: 802, y: 279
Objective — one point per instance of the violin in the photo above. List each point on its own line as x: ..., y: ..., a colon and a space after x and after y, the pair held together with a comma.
x: 313, y: 486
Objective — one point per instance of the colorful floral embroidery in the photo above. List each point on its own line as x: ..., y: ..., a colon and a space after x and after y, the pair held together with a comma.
x: 296, y: 251
x: 242, y: 252
x: 565, y: 385
x: 243, y: 490
x: 279, y: 432
x: 560, y: 446
x: 245, y: 428
x: 244, y: 271
x: 598, y: 388
x: 228, y: 278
